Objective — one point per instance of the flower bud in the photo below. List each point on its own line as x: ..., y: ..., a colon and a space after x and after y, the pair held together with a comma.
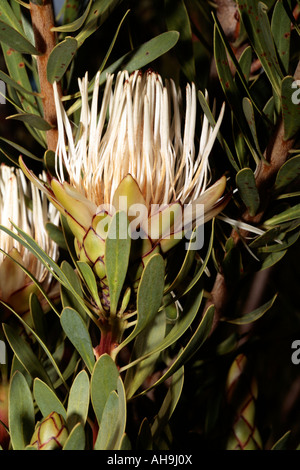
x: 50, y: 434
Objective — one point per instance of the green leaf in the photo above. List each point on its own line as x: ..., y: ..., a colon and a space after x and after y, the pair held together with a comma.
x: 31, y: 355
x: 249, y: 114
x: 184, y: 321
x: 149, y: 296
x: 12, y: 38
x: 109, y: 424
x: 20, y: 149
x: 78, y: 402
x: 146, y: 342
x: 272, y: 259
x: 245, y: 181
x: 8, y: 16
x: 67, y: 27
x: 255, y: 19
x: 289, y: 171
x: 21, y: 412
x: 206, y: 109
x: 113, y: 420
x: 76, y: 439
x: 245, y: 62
x: 90, y: 281
x: 38, y: 317
x: 281, y: 444
x: 25, y: 355
x: 135, y: 59
x: 32, y: 120
x: 96, y: 16
x: 67, y: 297
x: 200, y: 335
x: 46, y: 399
x: 117, y: 251
x: 11, y: 82
x: 104, y: 380
x: 281, y: 30
x: 144, y: 438
x: 56, y: 234
x: 231, y: 90
x: 77, y: 332
x: 290, y: 92
x: 289, y: 214
x: 254, y: 315
x: 60, y: 59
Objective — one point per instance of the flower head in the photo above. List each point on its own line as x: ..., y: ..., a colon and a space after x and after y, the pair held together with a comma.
x: 15, y: 194
x: 137, y: 144
x: 142, y: 137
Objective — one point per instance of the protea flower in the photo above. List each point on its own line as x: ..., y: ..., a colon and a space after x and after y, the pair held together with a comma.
x: 132, y: 149
x: 15, y: 193
x: 50, y: 434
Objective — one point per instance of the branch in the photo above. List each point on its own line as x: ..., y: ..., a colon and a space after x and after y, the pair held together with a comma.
x: 275, y: 156
x: 42, y: 18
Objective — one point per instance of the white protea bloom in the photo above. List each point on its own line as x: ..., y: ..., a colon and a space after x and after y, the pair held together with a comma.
x: 138, y: 143
x: 15, y: 193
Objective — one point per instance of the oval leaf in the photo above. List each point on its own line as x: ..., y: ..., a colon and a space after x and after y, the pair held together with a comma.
x: 60, y: 59
x: 78, y: 402
x: 104, y: 380
x: 289, y: 171
x: 21, y: 412
x: 245, y: 181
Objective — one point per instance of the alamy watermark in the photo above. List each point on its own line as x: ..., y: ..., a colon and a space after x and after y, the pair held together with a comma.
x: 296, y: 93
x: 163, y: 222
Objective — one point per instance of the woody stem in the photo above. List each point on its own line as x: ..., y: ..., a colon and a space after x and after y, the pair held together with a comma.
x: 42, y: 18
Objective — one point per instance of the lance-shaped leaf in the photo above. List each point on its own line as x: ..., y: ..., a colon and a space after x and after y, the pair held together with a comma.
x: 117, y: 251
x: 95, y: 17
x: 245, y: 181
x: 60, y: 59
x: 169, y: 404
x: 187, y: 316
x: 254, y: 315
x: 21, y: 412
x: 255, y: 18
x: 281, y: 30
x: 26, y: 355
x: 77, y: 332
x: 290, y: 99
x: 200, y: 335
x: 32, y: 120
x: 149, y: 295
x: 136, y: 59
x: 70, y: 24
x: 12, y: 38
x: 289, y: 214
